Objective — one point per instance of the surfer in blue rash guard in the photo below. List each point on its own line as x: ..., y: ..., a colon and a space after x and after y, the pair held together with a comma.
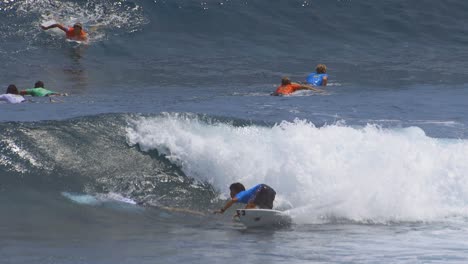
x: 260, y: 196
x: 319, y: 77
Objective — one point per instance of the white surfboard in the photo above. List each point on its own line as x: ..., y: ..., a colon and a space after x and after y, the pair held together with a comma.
x: 263, y: 217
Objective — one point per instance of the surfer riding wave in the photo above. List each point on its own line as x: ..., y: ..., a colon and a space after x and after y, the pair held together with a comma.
x: 260, y: 196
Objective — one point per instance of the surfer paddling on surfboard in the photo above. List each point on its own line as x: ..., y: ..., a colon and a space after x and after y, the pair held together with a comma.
x: 288, y: 87
x: 73, y: 33
x: 260, y: 196
x: 40, y: 91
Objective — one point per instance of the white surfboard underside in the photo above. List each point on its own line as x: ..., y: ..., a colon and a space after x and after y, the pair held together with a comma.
x: 263, y: 217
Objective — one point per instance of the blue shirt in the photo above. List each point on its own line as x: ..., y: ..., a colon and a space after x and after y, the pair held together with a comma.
x: 247, y: 195
x: 316, y: 79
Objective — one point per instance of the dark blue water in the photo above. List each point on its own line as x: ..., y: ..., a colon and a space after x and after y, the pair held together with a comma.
x: 169, y: 103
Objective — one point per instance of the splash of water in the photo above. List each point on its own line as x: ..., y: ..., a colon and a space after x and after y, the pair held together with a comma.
x: 332, y: 172
x: 98, y: 18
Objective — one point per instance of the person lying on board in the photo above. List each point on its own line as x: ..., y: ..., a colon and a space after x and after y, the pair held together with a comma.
x: 74, y: 33
x: 12, y: 95
x: 288, y: 87
x: 39, y: 90
x: 319, y: 77
x: 260, y: 196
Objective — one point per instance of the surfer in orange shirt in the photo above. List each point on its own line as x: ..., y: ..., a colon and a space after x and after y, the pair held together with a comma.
x: 288, y: 87
x: 74, y: 33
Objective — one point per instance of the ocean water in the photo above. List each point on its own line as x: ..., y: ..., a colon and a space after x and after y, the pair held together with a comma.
x: 169, y: 103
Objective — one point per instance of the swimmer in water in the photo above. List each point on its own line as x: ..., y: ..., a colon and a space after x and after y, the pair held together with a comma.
x: 12, y: 95
x: 73, y: 33
x: 39, y: 90
x: 319, y: 77
x: 288, y: 87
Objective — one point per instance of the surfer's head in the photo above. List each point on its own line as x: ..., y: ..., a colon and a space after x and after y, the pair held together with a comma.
x: 321, y: 68
x: 12, y: 89
x: 285, y: 81
x: 77, y: 27
x: 236, y: 188
x: 39, y: 84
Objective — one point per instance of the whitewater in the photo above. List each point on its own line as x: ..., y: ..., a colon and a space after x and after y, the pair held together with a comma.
x: 361, y: 174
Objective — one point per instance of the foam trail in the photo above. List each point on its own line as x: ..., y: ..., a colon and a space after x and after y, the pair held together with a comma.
x: 361, y: 174
x: 98, y: 199
x: 82, y: 198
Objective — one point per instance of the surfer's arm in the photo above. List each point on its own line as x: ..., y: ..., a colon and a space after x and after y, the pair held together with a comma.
x: 55, y: 26
x: 85, y: 37
x: 228, y: 204
x: 324, y: 81
x: 309, y: 87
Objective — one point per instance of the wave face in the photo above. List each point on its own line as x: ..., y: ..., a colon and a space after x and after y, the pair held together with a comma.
x: 91, y: 155
x: 188, y: 42
x: 329, y: 173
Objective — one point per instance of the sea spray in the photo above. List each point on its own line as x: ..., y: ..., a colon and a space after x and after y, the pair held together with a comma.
x: 360, y: 173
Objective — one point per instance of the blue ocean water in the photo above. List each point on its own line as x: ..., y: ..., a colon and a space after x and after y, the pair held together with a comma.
x: 170, y: 102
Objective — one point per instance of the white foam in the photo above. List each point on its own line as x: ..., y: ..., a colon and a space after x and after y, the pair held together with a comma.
x: 21, y: 153
x: 115, y: 197
x: 97, y: 199
x: 335, y: 171
x: 82, y: 198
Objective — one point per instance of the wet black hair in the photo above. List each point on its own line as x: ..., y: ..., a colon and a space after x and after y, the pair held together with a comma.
x: 237, y: 187
x: 12, y: 89
x: 39, y: 84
